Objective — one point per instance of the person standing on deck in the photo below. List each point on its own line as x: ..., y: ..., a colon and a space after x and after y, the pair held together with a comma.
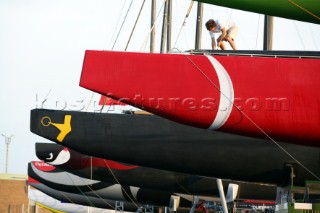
x: 229, y: 31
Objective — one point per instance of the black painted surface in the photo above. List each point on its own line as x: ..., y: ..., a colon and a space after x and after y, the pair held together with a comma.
x: 99, y: 190
x: 152, y: 141
x: 87, y: 167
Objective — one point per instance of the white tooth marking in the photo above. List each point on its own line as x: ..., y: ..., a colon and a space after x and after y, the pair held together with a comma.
x: 51, y: 156
x: 62, y: 158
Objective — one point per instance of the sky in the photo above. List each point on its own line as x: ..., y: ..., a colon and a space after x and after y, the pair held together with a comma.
x: 42, y: 45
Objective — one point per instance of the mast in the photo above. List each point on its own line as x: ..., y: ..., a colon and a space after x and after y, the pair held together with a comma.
x: 164, y: 27
x: 268, y: 32
x: 169, y: 24
x: 153, y: 31
x: 199, y: 26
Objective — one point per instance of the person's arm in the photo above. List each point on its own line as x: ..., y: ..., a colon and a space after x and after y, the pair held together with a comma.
x: 222, y: 37
x: 223, y: 34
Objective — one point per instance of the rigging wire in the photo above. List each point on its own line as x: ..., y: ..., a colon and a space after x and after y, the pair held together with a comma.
x: 258, y: 32
x: 104, y: 200
x: 185, y: 40
x: 135, y: 24
x: 116, y: 179
x: 245, y: 115
x: 184, y: 22
x: 304, y: 9
x: 147, y: 37
x: 83, y: 194
x: 65, y: 196
x: 313, y: 38
x: 118, y: 21
x: 227, y: 23
x: 125, y: 18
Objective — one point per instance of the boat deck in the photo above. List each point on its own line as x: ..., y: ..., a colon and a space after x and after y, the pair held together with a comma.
x: 260, y: 53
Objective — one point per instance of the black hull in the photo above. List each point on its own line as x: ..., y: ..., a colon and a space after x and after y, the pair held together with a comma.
x: 67, y: 197
x: 63, y: 181
x: 96, y: 168
x: 152, y: 141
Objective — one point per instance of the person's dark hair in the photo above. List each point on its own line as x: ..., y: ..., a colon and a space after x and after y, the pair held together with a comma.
x: 211, y: 23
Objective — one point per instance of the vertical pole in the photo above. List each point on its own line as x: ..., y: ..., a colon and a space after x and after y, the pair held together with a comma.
x: 7, y: 141
x: 199, y: 26
x: 153, y: 21
x: 268, y: 32
x: 7, y: 158
x: 28, y: 189
x: 222, y: 196
x: 169, y: 24
x: 164, y: 27
x: 194, y: 203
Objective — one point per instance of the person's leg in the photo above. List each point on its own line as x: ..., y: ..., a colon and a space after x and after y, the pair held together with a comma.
x: 231, y: 34
x: 222, y: 46
x: 231, y: 42
x: 220, y: 43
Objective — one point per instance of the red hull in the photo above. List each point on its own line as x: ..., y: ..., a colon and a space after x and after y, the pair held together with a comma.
x: 235, y: 94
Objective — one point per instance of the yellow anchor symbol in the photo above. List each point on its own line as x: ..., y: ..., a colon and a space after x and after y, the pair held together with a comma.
x: 64, y: 128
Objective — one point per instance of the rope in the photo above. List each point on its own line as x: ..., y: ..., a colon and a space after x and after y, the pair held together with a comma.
x: 65, y: 196
x: 134, y: 202
x: 112, y: 207
x: 244, y: 114
x: 184, y: 21
x: 84, y: 195
x: 305, y: 10
x: 135, y: 25
x: 122, y: 25
x: 118, y: 22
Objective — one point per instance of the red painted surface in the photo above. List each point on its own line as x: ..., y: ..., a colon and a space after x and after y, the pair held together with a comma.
x: 98, y: 162
x: 109, y: 101
x: 43, y: 166
x: 259, y: 202
x: 31, y: 180
x: 174, y: 86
